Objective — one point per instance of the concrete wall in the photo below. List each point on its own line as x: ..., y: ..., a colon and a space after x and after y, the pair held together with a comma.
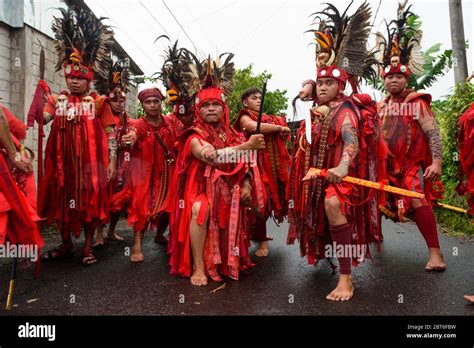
x: 5, y: 62
x: 19, y: 74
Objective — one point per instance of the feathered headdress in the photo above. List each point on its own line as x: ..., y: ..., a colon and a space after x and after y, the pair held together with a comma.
x: 341, y: 40
x: 83, y: 43
x: 117, y: 81
x: 216, y: 74
x: 171, y: 74
x: 208, y: 80
x: 400, y: 52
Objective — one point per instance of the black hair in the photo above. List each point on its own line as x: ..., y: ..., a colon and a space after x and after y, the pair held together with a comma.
x: 248, y: 92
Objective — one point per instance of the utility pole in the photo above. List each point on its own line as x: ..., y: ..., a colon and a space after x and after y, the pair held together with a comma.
x: 458, y: 41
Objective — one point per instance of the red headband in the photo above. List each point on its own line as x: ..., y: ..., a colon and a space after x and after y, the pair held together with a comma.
x: 397, y: 69
x: 81, y: 71
x: 149, y: 93
x: 212, y: 93
x: 333, y: 72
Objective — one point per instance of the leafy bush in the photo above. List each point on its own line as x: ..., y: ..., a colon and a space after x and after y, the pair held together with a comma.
x: 276, y: 101
x: 447, y: 113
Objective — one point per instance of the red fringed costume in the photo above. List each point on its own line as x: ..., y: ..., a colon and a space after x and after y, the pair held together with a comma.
x: 120, y: 188
x: 73, y: 190
x: 273, y: 164
x: 338, y: 126
x: 153, y: 166
x: 115, y: 87
x: 409, y: 152
x: 17, y: 194
x: 466, y: 155
x: 410, y: 131
x: 217, y: 187
x: 307, y: 216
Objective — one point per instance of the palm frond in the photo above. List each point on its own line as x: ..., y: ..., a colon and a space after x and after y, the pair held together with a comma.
x: 444, y: 61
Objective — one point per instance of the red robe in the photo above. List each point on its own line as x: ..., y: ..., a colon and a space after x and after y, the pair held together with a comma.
x: 152, y: 172
x: 73, y: 191
x: 466, y: 152
x: 17, y: 194
x: 273, y: 164
x: 120, y: 188
x: 409, y: 152
x: 307, y: 216
x: 179, y: 125
x: 216, y: 187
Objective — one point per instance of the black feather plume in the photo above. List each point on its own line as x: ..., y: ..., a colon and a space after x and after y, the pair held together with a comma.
x: 79, y: 31
x: 118, y: 78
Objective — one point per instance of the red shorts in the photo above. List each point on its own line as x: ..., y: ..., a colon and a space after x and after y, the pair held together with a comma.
x: 340, y: 191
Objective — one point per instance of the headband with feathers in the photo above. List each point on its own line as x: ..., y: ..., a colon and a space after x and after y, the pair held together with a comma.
x: 341, y: 40
x: 400, y: 52
x: 83, y: 43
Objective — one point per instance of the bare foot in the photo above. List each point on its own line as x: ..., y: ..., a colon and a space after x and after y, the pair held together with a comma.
x: 436, y: 261
x: 89, y: 259
x: 137, y: 255
x: 262, y: 250
x: 344, y: 289
x: 469, y: 298
x: 99, y: 242
x: 115, y: 237
x: 198, y: 278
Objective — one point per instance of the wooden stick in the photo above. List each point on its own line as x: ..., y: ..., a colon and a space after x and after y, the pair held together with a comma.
x: 12, y: 286
x: 313, y: 172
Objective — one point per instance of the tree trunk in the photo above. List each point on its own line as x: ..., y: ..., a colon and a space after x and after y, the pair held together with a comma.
x: 458, y: 41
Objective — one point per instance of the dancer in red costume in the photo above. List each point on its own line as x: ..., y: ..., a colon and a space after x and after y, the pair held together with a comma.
x: 273, y: 162
x: 81, y: 151
x: 182, y: 114
x: 213, y: 188
x: 466, y: 167
x: 412, y: 135
x: 153, y: 139
x: 17, y: 185
x: 466, y: 157
x: 345, y: 139
x: 119, y: 188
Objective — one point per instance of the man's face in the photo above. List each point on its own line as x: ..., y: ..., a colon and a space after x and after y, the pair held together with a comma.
x: 395, y: 83
x: 187, y: 118
x: 327, y: 89
x: 211, y: 111
x: 77, y: 85
x: 116, y: 106
x: 252, y: 102
x: 152, y: 106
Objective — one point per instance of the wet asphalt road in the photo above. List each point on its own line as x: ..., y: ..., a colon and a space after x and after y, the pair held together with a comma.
x: 281, y: 284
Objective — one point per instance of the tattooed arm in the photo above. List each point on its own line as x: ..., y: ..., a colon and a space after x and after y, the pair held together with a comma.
x: 351, y: 148
x: 7, y: 141
x: 205, y: 152
x: 432, y: 133
x: 250, y: 126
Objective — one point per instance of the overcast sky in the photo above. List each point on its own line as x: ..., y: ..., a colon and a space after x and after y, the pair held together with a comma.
x: 268, y: 34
